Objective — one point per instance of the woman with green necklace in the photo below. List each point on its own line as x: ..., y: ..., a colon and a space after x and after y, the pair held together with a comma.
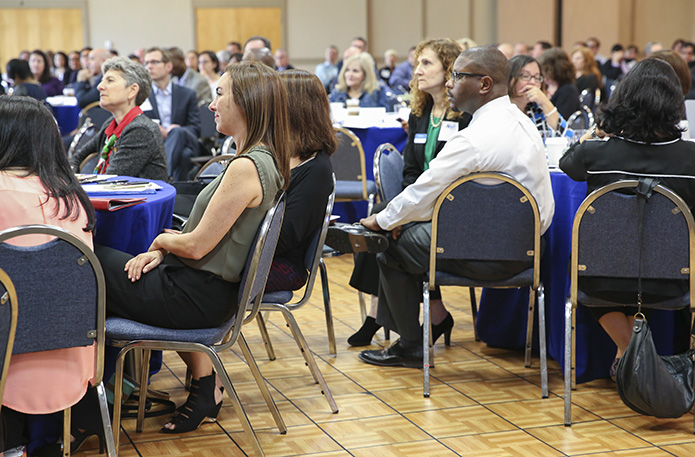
x: 430, y: 125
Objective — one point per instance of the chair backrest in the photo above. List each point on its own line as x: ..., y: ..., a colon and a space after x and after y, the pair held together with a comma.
x: 348, y: 159
x: 388, y: 171
x: 605, y: 240
x: 587, y: 98
x: 257, y: 269
x: 60, y: 287
x: 96, y: 114
x: 213, y: 167
x: 208, y: 128
x: 89, y: 163
x: 83, y: 135
x: 227, y: 146
x: 581, y: 119
x: 486, y: 216
x: 8, y: 325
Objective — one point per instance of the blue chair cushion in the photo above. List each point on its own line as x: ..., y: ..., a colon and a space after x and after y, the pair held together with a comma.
x: 126, y: 330
x: 281, y: 297
x: 353, y: 189
x: 525, y: 278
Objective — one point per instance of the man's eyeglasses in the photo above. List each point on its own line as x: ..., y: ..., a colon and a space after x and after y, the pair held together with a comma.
x: 153, y: 62
x: 528, y: 77
x: 456, y: 76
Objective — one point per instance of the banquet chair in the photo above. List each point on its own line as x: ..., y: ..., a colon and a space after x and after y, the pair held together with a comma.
x: 208, y: 131
x: 590, y: 99
x: 95, y: 113
x: 605, y: 243
x: 53, y: 316
x: 473, y: 220
x: 89, y: 163
x: 282, y: 301
x: 130, y: 335
x: 83, y: 135
x: 8, y: 325
x: 582, y: 119
x: 350, y: 170
x: 213, y: 167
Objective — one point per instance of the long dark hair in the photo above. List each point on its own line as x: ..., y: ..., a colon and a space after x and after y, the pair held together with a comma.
x: 646, y: 106
x: 29, y: 140
x: 46, y: 75
x: 311, y: 129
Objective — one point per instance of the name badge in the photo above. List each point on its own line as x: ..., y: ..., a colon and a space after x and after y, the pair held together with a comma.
x: 420, y: 138
x: 447, y: 130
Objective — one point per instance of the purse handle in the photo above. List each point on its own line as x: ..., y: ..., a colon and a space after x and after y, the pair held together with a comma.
x: 645, y: 189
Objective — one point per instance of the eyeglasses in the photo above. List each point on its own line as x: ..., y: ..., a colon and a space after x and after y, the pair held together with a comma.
x: 528, y: 77
x: 153, y: 62
x: 457, y: 75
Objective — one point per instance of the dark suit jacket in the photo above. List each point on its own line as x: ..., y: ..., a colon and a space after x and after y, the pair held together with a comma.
x: 184, y: 109
x: 86, y: 93
x: 414, y: 154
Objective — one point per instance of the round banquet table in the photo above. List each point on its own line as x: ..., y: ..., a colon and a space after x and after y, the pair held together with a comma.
x: 371, y: 138
x: 503, y: 313
x: 67, y: 117
x: 133, y: 229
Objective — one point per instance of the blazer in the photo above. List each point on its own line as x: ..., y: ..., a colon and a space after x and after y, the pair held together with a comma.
x: 414, y: 154
x: 184, y: 109
x: 138, y: 152
x: 87, y: 93
x: 197, y: 83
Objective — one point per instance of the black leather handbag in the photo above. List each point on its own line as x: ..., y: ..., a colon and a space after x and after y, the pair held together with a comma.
x: 651, y: 384
x: 648, y: 383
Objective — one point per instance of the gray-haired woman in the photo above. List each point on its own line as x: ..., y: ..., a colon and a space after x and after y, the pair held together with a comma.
x: 129, y: 144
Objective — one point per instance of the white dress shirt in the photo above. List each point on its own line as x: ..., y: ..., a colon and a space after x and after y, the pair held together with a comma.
x: 499, y: 138
x: 164, y: 102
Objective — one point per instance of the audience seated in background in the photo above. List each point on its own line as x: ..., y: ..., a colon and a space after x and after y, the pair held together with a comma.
x: 390, y: 59
x: 75, y: 66
x: 499, y: 138
x: 652, y: 47
x: 539, y: 48
x: 586, y: 71
x: 687, y: 52
x: 679, y: 66
x: 89, y: 77
x: 130, y: 143
x: 328, y: 70
x: 162, y: 287
x: 41, y: 69
x: 188, y: 77
x: 431, y: 118
x: 33, y: 171
x: 192, y: 59
x: 357, y: 80
x: 558, y: 72
x: 312, y: 141
x: 282, y: 60
x: 641, y: 121
x: 507, y: 49
x: 24, y: 82
x: 613, y: 68
x: 400, y: 79
x: 595, y: 45
x: 262, y: 55
x: 61, y: 70
x: 256, y: 42
x: 175, y: 109
x: 527, y: 92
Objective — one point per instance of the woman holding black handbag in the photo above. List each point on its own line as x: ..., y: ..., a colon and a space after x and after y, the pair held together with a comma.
x: 638, y: 135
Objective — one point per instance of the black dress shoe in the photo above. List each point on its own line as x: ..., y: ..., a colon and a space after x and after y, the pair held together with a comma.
x: 348, y: 238
x: 394, y: 356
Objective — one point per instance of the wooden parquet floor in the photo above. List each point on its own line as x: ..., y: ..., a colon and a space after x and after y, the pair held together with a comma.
x: 483, y: 403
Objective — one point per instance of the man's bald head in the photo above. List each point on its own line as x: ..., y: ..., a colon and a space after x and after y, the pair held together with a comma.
x: 488, y: 61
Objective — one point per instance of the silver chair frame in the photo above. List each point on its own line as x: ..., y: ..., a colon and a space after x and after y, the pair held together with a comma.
x: 9, y: 298
x: 536, y: 288
x: 572, y: 302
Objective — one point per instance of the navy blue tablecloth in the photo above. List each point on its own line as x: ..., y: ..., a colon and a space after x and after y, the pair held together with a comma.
x: 502, y: 315
x: 371, y: 139
x: 67, y: 117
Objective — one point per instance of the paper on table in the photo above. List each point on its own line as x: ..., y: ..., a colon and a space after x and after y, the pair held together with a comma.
x: 111, y: 189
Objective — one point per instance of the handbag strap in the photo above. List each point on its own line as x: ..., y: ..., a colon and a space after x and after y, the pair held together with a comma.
x: 645, y: 188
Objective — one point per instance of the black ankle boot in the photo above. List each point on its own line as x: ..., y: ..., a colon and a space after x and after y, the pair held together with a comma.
x: 199, y: 407
x: 364, y: 335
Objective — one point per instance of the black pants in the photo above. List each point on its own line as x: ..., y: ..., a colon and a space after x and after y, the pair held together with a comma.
x: 173, y: 295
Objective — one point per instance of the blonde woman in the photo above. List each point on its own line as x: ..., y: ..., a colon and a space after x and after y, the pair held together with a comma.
x: 358, y: 80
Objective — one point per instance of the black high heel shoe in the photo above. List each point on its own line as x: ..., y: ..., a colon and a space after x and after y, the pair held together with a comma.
x: 443, y: 328
x: 56, y: 450
x: 199, y: 407
x: 363, y: 337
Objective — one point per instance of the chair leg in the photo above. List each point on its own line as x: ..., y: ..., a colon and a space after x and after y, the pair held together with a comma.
x: 529, y: 328
x: 261, y: 383
x: 118, y: 395
x: 67, y: 421
x: 236, y: 402
x: 144, y: 378
x: 543, y: 343
x: 330, y: 328
x: 266, y: 338
x: 569, y: 336
x: 427, y: 350
x: 474, y: 312
x: 106, y: 421
x: 309, y: 357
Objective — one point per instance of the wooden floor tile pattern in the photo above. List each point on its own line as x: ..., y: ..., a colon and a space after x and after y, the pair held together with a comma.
x: 484, y: 402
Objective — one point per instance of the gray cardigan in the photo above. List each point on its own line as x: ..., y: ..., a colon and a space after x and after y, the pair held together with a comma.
x: 138, y: 152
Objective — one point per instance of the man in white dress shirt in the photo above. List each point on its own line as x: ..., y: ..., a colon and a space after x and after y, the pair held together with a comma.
x: 499, y: 138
